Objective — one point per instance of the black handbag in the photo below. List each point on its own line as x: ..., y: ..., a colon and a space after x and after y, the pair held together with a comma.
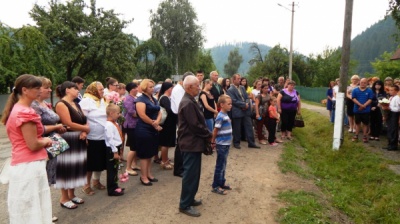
x: 298, y: 121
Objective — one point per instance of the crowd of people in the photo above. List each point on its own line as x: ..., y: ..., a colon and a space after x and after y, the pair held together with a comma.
x: 371, y: 106
x: 148, y: 117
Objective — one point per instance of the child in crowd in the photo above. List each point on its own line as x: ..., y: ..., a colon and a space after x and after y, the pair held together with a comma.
x: 113, y: 141
x: 272, y: 121
x: 393, y: 118
x: 222, y: 138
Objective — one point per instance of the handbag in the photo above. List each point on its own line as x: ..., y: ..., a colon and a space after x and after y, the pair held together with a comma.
x: 164, y: 113
x: 59, y: 145
x: 208, y: 150
x: 298, y: 121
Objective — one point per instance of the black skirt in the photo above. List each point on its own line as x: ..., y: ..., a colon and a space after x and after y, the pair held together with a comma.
x: 96, y: 155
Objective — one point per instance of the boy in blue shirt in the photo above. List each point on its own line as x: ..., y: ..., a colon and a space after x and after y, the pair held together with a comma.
x: 222, y: 139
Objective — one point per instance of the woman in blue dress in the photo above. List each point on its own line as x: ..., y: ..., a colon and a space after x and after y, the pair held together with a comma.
x: 147, y: 130
x: 329, y: 95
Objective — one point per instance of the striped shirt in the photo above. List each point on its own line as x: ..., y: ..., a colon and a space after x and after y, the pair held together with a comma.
x: 224, y: 126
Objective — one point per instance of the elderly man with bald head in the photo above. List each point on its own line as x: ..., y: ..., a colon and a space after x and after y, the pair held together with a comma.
x: 193, y: 135
x: 362, y: 98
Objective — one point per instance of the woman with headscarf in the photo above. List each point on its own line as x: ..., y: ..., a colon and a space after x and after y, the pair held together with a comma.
x: 94, y: 107
x: 167, y: 137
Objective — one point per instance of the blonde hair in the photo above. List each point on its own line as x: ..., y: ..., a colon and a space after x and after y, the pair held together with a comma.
x: 222, y: 99
x: 219, y: 81
x: 355, y: 77
x: 45, y: 81
x: 145, y: 83
x: 112, y: 108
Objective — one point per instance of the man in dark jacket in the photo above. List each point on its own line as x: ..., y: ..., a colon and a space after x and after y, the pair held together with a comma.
x: 193, y: 134
x: 216, y: 89
x: 241, y: 113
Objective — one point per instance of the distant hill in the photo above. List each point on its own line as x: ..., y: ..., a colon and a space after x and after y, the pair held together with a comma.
x: 372, y: 43
x: 365, y: 48
x: 220, y: 55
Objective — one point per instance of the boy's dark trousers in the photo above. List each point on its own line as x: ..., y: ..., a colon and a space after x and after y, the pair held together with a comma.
x: 271, y: 127
x: 393, y: 130
x: 112, y: 172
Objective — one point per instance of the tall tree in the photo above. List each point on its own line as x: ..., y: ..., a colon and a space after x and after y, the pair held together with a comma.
x: 233, y: 64
x: 174, y: 26
x: 86, y: 40
x: 204, y: 62
x: 385, y: 67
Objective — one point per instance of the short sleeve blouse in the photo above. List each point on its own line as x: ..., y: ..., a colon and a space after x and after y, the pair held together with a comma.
x: 20, y: 152
x: 152, y: 109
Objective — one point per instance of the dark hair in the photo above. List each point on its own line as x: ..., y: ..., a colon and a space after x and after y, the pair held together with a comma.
x: 77, y: 79
x: 27, y: 81
x: 61, y: 89
x: 164, y: 87
x: 247, y: 84
x: 200, y: 71
x: 131, y: 86
x: 378, y: 82
x: 262, y: 87
x: 110, y: 81
x: 395, y: 87
x: 186, y: 75
x: 224, y: 86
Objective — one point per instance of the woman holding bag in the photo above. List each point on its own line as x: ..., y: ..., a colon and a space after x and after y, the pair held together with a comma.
x: 261, y: 108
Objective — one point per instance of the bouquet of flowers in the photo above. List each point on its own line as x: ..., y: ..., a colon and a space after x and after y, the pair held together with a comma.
x: 122, y: 177
x: 113, y: 97
x: 384, y: 105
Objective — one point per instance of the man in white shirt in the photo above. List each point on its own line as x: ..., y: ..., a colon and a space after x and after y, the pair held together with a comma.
x: 176, y: 97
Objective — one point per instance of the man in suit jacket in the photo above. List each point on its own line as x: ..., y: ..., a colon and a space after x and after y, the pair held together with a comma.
x: 240, y: 113
x: 216, y: 89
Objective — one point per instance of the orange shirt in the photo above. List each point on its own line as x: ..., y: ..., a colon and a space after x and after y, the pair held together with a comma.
x: 272, y: 112
x: 20, y: 152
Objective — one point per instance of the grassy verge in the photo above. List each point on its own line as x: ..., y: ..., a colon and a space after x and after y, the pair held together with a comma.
x: 353, y: 179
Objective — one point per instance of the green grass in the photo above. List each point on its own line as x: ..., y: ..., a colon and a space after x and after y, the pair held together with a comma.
x: 313, y: 103
x: 305, y: 208
x: 355, y: 180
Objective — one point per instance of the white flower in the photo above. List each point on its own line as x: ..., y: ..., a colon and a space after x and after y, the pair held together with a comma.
x: 384, y: 100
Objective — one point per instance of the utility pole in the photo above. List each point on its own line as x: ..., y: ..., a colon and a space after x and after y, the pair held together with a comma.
x: 291, y: 45
x: 344, y: 69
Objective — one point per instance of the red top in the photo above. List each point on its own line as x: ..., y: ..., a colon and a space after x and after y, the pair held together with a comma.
x: 20, y: 152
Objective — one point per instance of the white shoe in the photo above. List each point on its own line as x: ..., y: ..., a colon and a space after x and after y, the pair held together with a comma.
x: 350, y: 130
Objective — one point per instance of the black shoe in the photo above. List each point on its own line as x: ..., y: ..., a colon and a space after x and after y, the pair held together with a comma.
x: 190, y: 211
x: 196, y: 202
x: 114, y: 193
x: 237, y: 146
x: 254, y: 146
x: 145, y: 184
x: 152, y: 180
x: 178, y: 174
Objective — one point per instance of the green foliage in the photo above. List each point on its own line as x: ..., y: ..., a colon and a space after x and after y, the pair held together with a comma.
x: 174, y: 26
x: 385, y: 67
x: 355, y: 180
x: 23, y: 50
x: 234, y: 61
x: 204, y: 62
x: 86, y: 44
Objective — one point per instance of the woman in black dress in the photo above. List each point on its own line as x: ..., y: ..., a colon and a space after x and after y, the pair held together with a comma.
x: 168, y: 132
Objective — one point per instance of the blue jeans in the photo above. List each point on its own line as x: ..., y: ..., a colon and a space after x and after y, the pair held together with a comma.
x: 210, y: 124
x: 220, y: 166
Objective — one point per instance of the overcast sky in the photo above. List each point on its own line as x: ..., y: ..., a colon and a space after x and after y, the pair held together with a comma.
x: 318, y: 24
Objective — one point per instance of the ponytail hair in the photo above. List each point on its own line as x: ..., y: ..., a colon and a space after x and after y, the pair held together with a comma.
x: 27, y: 81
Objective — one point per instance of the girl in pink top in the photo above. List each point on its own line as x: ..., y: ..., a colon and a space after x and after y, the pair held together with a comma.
x: 29, y: 198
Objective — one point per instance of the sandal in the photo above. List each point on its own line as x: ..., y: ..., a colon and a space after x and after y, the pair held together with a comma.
x: 226, y: 187
x: 376, y: 139
x: 365, y: 139
x: 88, y: 191
x: 354, y: 138
x: 136, y: 168
x: 218, y: 190
x: 77, y: 200
x: 131, y: 172
x: 69, y: 205
x: 99, y: 186
x: 371, y: 138
x: 166, y: 165
x: 263, y: 142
